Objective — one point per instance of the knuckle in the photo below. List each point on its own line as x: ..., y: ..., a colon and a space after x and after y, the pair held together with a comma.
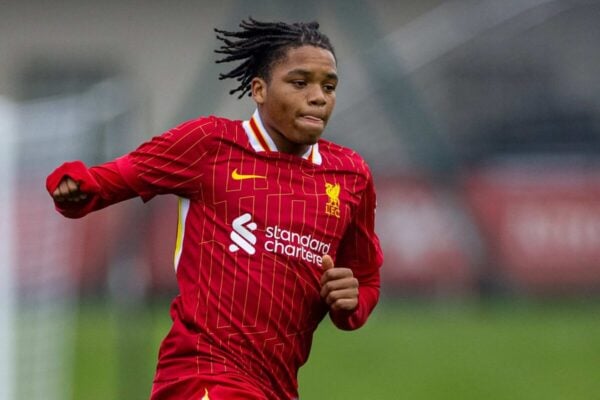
x: 332, y: 298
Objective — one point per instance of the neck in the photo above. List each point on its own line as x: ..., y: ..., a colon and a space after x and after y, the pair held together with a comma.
x: 285, y: 146
x: 281, y: 142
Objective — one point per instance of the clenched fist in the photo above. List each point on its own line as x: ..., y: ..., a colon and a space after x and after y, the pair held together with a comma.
x: 68, y: 190
x: 339, y: 287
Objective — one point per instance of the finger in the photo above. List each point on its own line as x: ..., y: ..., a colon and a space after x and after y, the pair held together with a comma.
x: 327, y: 262
x: 63, y: 189
x: 344, y: 305
x: 73, y: 194
x: 67, y: 191
x: 337, y: 285
x: 56, y: 195
x: 348, y: 293
x: 336, y: 273
x: 72, y: 186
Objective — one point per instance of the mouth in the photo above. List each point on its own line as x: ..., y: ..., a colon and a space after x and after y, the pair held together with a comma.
x: 313, y: 119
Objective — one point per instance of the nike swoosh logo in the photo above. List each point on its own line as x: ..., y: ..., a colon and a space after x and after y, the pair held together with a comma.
x: 240, y: 177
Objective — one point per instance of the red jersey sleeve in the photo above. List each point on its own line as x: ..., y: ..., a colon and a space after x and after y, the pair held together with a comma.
x: 360, y: 250
x: 103, y: 185
x: 171, y: 162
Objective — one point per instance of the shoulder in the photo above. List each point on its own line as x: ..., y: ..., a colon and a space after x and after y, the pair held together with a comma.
x: 208, y: 126
x: 193, y: 137
x: 344, y: 159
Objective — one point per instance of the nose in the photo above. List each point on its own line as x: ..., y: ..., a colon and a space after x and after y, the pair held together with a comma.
x: 316, y: 96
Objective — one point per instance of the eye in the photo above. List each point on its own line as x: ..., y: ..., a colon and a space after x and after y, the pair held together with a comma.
x: 329, y: 88
x: 299, y: 84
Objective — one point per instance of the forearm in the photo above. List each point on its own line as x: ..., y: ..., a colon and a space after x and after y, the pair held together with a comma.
x: 103, y: 185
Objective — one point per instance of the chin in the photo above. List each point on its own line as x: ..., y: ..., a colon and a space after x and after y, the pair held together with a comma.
x: 306, y: 136
x: 310, y: 138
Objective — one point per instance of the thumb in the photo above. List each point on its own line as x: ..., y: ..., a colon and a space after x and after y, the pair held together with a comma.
x: 327, y: 262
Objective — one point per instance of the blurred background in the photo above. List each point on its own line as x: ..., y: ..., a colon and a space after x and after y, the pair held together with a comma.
x: 480, y: 120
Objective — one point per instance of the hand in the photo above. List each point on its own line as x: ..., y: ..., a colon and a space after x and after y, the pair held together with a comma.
x: 68, y: 190
x: 339, y: 287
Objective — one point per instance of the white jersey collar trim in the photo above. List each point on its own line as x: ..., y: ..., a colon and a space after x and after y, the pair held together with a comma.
x: 261, y: 141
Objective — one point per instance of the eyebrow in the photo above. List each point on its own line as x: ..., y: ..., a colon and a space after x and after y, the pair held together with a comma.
x: 304, y: 72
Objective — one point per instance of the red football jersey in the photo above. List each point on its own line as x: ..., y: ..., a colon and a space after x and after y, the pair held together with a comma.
x: 253, y: 227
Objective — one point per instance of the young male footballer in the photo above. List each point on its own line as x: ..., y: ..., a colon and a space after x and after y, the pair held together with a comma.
x: 267, y: 209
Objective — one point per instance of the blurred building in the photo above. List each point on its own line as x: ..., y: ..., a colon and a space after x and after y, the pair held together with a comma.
x: 465, y: 111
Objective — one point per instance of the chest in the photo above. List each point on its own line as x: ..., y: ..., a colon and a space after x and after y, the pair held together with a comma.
x: 283, y: 204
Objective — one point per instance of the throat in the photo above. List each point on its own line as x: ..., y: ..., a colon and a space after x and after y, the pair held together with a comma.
x: 284, y: 142
x: 284, y: 145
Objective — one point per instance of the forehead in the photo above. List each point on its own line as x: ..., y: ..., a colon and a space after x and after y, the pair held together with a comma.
x: 309, y: 58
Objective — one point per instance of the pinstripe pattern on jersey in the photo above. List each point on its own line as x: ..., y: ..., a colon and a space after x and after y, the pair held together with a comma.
x: 239, y: 313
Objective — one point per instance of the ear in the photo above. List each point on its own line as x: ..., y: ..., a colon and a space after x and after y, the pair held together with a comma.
x: 258, y: 88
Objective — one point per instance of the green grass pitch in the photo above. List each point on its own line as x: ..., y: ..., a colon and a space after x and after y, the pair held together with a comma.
x: 508, y: 350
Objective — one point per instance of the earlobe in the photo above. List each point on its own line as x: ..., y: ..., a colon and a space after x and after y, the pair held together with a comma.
x: 258, y: 88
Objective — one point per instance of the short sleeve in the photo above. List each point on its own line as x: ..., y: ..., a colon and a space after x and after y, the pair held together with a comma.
x: 173, y: 162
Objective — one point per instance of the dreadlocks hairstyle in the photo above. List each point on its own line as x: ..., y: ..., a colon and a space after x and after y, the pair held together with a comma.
x: 259, y: 45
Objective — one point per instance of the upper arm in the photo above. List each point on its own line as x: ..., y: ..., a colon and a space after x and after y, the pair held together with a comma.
x: 359, y: 248
x: 169, y: 163
x: 360, y: 251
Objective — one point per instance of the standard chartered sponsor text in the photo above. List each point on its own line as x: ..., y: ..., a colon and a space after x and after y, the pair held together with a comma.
x: 292, y: 244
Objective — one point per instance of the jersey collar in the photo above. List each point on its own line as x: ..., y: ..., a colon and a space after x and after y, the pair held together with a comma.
x: 261, y: 141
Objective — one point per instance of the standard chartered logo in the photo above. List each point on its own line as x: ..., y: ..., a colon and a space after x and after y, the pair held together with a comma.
x: 278, y: 241
x: 242, y: 235
x: 292, y: 244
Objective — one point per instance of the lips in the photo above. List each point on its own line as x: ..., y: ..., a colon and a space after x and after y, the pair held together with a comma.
x: 313, y: 119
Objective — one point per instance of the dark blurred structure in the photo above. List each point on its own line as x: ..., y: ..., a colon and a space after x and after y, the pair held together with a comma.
x: 478, y: 119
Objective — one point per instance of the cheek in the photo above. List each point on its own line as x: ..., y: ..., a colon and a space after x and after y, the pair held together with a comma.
x: 275, y: 105
x: 283, y: 110
x: 283, y: 107
x: 332, y: 104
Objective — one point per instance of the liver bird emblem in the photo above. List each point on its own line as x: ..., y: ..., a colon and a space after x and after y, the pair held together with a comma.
x: 333, y: 205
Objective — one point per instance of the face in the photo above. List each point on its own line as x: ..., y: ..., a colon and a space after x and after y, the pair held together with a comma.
x: 297, y: 100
